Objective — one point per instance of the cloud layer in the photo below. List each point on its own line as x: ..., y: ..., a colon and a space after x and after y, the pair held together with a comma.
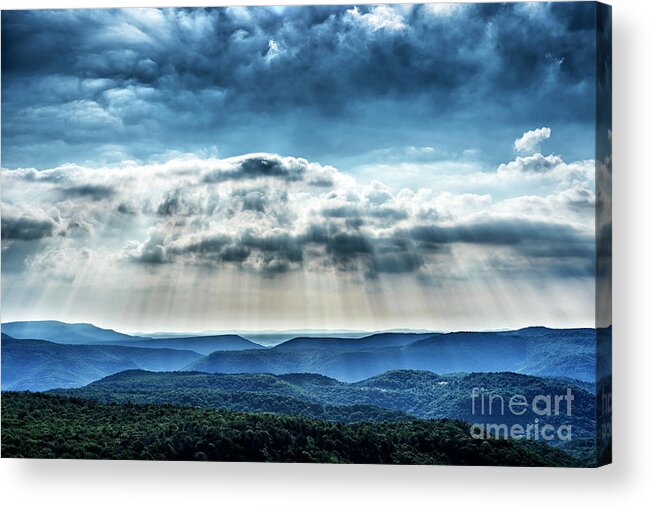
x: 268, y: 215
x: 108, y: 85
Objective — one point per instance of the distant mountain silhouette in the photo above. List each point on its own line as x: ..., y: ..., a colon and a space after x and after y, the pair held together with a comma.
x: 200, y: 344
x: 38, y: 365
x: 535, y: 351
x: 62, y: 332
x: 373, y: 341
x: 89, y: 334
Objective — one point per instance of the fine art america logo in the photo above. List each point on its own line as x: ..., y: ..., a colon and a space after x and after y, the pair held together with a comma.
x: 533, y: 413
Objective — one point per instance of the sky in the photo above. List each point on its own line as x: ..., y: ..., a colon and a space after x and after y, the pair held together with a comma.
x: 331, y: 167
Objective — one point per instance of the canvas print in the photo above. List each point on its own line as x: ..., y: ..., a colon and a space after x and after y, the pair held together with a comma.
x: 338, y: 234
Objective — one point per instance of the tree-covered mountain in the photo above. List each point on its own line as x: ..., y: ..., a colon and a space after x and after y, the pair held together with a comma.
x: 39, y: 425
x: 243, y: 393
x: 39, y: 365
x: 534, y: 351
x: 62, y: 332
x: 413, y: 393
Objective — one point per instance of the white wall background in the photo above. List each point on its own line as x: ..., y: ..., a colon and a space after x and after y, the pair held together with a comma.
x: 628, y: 481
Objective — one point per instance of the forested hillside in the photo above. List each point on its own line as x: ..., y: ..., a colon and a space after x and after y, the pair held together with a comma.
x: 40, y: 425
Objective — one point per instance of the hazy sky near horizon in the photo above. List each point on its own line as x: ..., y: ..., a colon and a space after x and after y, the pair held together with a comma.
x: 344, y: 167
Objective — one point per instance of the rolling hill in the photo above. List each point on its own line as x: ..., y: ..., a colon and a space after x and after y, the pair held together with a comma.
x: 419, y: 394
x: 39, y: 365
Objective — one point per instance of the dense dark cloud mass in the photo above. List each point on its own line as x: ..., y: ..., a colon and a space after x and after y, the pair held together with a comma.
x: 26, y: 227
x: 105, y: 85
x: 534, y: 238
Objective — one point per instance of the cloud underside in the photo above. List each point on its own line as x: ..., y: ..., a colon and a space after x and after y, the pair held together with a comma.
x: 270, y: 215
x: 132, y: 83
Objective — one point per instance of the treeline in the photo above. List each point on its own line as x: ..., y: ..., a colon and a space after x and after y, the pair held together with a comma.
x: 38, y: 425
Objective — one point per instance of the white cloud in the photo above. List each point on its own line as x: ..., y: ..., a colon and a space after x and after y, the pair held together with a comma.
x: 531, y: 140
x: 439, y: 9
x: 380, y: 17
x: 268, y: 214
x: 536, y: 163
x: 273, y: 51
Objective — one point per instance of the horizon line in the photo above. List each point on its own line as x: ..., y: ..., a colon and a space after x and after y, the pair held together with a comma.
x: 208, y: 332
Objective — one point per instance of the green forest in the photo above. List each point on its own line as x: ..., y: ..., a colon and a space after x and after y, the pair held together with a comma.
x: 38, y: 425
x: 394, y: 395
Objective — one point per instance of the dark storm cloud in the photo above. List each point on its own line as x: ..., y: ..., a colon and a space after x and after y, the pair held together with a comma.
x: 283, y: 245
x: 260, y: 167
x: 548, y: 246
x: 235, y: 254
x: 207, y: 246
x: 531, y: 238
x: 518, y: 245
x: 126, y: 208
x: 27, y: 228
x: 23, y: 235
x: 350, y: 250
x: 152, y: 254
x: 92, y: 192
x: 111, y: 84
x: 274, y: 253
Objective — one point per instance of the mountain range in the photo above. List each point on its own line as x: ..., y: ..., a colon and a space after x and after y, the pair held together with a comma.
x: 534, y: 351
x: 88, y: 334
x: 44, y: 364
